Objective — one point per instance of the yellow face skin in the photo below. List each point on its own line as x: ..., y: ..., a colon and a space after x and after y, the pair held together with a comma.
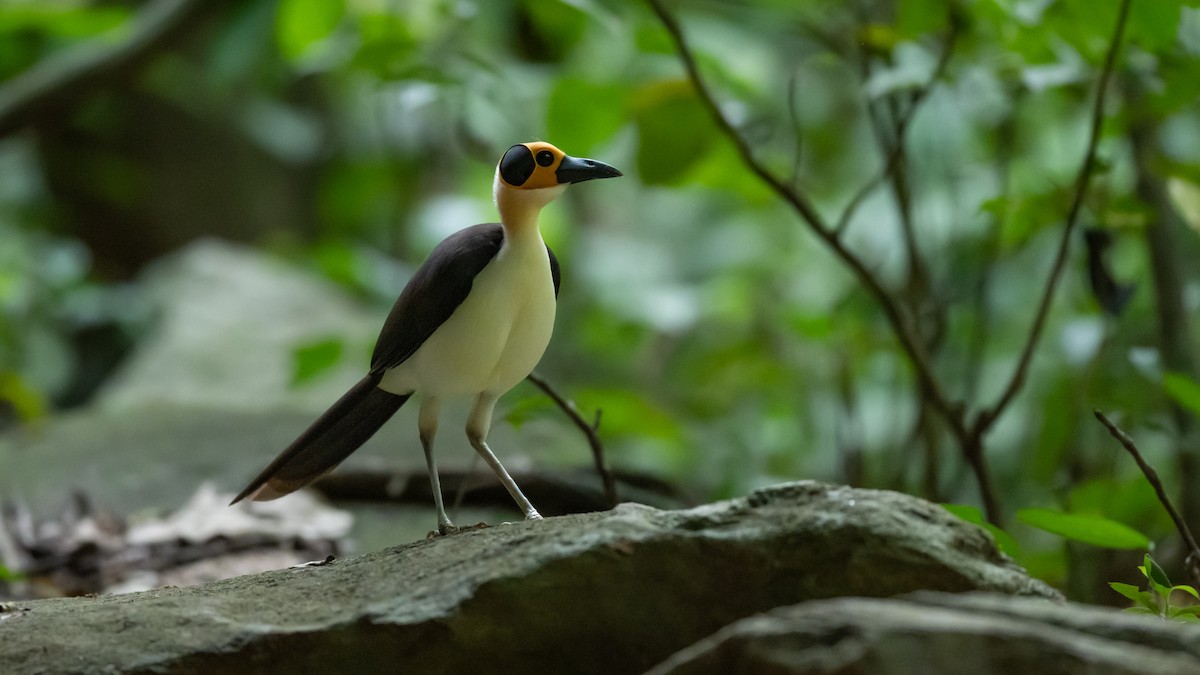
x: 543, y: 175
x: 544, y: 164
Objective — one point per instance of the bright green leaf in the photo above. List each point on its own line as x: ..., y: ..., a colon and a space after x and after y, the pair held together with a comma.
x: 300, y: 24
x: 528, y: 407
x: 1128, y: 590
x: 1092, y: 530
x: 916, y: 18
x: 1184, y: 390
x: 1192, y: 611
x: 9, y: 575
x: 310, y: 360
x: 1187, y: 589
x: 1157, y: 576
x: 973, y: 515
x: 1154, y: 25
x: 1008, y: 545
x: 674, y: 131
x: 28, y: 403
x: 967, y: 512
x: 581, y: 115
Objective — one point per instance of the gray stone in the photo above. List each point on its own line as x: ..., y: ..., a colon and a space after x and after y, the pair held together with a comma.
x: 612, y: 592
x: 926, y: 633
x: 227, y: 322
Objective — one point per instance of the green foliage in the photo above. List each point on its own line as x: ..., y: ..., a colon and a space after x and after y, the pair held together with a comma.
x: 301, y: 24
x: 28, y: 403
x: 972, y: 514
x: 1088, y: 529
x: 310, y: 360
x: 9, y: 576
x: 668, y: 116
x: 1156, y: 600
x: 1184, y: 390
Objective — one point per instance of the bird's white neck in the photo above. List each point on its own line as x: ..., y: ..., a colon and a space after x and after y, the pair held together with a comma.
x: 519, y: 208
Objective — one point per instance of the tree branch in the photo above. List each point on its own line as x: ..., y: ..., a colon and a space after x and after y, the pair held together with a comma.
x: 905, y: 334
x: 1193, y: 557
x: 988, y: 417
x: 590, y: 430
x: 64, y: 78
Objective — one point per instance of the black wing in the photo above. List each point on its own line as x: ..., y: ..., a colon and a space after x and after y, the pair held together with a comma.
x: 439, y: 286
x: 555, y: 273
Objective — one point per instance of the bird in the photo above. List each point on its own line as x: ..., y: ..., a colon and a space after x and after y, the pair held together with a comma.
x: 473, y: 321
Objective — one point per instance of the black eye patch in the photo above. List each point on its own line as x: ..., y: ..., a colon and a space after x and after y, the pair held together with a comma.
x: 545, y: 158
x: 516, y: 166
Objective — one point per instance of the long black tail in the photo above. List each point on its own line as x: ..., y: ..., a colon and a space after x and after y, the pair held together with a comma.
x: 339, y: 431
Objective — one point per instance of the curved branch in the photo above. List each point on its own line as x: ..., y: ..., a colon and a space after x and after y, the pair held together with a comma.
x: 590, y: 430
x: 1193, y: 557
x: 897, y: 149
x: 905, y: 334
x: 988, y: 417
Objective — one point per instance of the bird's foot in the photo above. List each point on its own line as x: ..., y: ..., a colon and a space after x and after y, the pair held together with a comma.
x: 532, y: 515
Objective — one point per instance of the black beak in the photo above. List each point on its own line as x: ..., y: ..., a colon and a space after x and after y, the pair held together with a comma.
x: 577, y: 170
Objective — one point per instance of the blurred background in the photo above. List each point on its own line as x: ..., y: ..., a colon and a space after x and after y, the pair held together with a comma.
x: 208, y: 207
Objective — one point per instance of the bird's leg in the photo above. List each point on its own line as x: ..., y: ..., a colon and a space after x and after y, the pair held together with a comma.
x: 478, y: 424
x: 427, y: 425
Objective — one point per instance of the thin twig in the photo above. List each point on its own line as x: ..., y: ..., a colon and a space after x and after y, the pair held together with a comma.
x: 591, y: 431
x: 1152, y: 476
x: 987, y: 417
x: 897, y: 148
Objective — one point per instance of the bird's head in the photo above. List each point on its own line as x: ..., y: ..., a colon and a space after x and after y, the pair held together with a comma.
x: 531, y: 175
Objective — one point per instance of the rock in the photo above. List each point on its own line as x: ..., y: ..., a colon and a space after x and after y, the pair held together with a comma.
x: 228, y: 321
x: 611, y: 592
x: 943, y: 633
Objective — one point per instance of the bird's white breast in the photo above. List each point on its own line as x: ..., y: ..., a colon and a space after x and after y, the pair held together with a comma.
x: 495, y: 337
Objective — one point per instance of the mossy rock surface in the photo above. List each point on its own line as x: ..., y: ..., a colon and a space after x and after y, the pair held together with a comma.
x: 612, y: 592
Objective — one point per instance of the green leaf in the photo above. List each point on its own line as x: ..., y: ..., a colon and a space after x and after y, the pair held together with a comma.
x: 528, y: 407
x: 1189, y: 613
x: 314, y: 358
x: 1128, y: 590
x: 28, y: 403
x: 9, y: 575
x: 674, y: 131
x: 581, y: 115
x: 1157, y: 576
x: 1184, y: 390
x: 1092, y: 530
x: 1187, y: 589
x: 915, y: 18
x: 967, y: 512
x: 972, y: 514
x: 300, y: 24
x: 1154, y: 25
